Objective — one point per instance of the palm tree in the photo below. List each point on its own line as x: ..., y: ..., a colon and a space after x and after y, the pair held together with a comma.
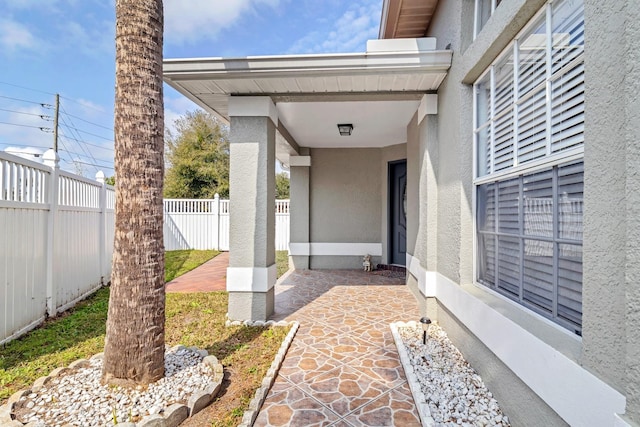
x: 134, y: 347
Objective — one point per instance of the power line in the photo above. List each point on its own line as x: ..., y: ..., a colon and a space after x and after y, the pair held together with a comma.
x: 66, y: 150
x: 42, y: 116
x: 88, y: 143
x: 78, y: 155
x: 45, y: 105
x: 27, y: 88
x: 94, y: 164
x: 22, y: 145
x: 91, y: 123
x: 43, y: 129
x: 89, y: 133
x: 83, y: 104
x: 88, y: 153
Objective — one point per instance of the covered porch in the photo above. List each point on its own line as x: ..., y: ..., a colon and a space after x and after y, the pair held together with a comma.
x: 349, y: 194
x: 343, y: 368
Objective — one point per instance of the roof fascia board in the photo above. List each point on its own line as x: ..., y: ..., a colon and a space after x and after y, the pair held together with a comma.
x: 389, y: 20
x: 307, y: 65
x: 383, y: 18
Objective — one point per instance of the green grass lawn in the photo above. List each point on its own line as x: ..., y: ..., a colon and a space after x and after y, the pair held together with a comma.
x: 179, y: 262
x: 191, y: 319
x: 282, y: 262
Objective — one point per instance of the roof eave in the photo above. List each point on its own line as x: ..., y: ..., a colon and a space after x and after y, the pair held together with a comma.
x: 306, y: 65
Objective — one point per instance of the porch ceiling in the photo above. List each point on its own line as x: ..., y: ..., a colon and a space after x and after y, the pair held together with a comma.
x: 406, y: 18
x: 378, y: 92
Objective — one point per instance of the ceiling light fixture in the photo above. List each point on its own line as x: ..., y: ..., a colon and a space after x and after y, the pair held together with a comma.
x: 345, y: 129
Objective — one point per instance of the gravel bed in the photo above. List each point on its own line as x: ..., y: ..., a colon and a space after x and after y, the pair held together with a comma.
x: 454, y: 392
x: 78, y: 398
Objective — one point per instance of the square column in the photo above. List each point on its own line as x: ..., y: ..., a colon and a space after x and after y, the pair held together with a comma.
x: 299, y: 211
x: 252, y: 270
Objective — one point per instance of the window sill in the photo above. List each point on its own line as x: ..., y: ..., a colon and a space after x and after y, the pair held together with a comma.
x: 555, y: 336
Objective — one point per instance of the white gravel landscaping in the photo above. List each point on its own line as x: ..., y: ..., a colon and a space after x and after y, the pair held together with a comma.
x: 78, y: 398
x: 447, y: 390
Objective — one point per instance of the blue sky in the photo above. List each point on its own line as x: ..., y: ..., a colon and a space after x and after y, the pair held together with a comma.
x: 67, y: 47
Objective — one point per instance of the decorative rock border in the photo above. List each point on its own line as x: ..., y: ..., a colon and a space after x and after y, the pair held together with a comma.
x: 251, y: 413
x: 173, y: 415
x: 418, y: 396
x: 259, y: 323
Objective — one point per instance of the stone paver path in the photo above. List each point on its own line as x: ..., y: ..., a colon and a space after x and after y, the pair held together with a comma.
x: 210, y: 276
x: 343, y: 368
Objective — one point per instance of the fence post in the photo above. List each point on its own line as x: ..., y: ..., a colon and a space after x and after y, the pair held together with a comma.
x: 52, y: 160
x: 216, y: 221
x: 102, y: 224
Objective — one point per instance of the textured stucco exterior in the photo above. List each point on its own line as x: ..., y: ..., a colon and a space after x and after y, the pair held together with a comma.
x: 440, y: 153
x: 252, y: 192
x: 611, y: 294
x: 252, y: 212
x: 342, y: 199
x: 345, y: 201
x: 299, y: 211
x: 252, y: 306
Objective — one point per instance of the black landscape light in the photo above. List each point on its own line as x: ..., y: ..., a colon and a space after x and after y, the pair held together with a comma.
x: 425, y: 328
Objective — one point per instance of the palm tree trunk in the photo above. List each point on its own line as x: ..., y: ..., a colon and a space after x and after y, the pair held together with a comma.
x: 134, y: 347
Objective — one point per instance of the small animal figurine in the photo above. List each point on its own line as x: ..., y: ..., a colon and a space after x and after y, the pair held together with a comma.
x: 366, y: 263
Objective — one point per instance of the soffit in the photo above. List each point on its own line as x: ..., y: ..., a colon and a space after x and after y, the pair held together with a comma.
x: 378, y: 92
x: 406, y: 18
x: 210, y: 82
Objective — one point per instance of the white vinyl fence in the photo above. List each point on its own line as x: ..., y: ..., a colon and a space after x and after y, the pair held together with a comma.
x: 204, y: 224
x: 56, y: 240
x: 56, y: 237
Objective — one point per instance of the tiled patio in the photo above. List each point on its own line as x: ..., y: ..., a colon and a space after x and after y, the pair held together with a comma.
x: 342, y: 368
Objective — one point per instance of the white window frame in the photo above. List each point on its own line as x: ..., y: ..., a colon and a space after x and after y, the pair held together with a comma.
x: 477, y: 19
x: 550, y: 159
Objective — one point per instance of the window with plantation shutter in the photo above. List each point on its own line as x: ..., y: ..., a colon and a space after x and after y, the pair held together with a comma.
x: 529, y: 234
x: 530, y: 102
x: 529, y: 139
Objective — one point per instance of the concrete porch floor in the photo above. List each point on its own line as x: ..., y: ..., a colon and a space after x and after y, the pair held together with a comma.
x: 342, y: 368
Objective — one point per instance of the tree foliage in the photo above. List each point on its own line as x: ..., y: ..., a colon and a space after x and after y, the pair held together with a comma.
x: 197, y: 156
x: 282, y: 185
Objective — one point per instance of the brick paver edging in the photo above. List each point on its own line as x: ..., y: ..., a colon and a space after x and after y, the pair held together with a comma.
x: 418, y: 396
x: 251, y: 413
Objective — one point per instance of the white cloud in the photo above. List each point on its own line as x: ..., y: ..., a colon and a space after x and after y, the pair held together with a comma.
x: 15, y: 36
x: 28, y: 4
x: 349, y: 33
x: 29, y: 153
x: 187, y: 21
x: 91, y: 38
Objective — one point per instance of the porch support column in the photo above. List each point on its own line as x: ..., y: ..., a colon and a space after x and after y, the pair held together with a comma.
x: 252, y: 271
x: 299, y: 211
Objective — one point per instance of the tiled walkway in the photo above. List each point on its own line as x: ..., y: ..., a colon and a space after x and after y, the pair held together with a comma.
x: 210, y: 276
x: 342, y: 368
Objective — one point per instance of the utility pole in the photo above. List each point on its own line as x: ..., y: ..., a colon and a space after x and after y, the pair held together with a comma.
x: 55, y: 123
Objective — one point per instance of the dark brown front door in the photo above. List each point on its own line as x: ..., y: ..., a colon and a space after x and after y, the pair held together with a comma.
x: 398, y: 212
